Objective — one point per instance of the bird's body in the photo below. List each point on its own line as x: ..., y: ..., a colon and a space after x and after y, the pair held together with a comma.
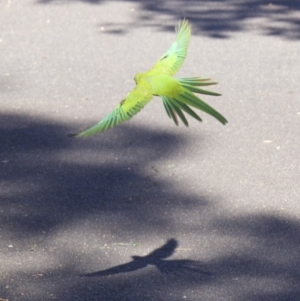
x: 177, y: 94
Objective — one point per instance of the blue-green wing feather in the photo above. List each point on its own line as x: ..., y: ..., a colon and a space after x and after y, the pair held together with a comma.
x: 127, y: 108
x: 172, y: 60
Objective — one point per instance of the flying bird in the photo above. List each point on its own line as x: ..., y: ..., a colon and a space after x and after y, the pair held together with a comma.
x: 177, y: 94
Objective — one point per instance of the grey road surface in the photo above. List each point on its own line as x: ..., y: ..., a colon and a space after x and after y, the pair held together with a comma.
x: 148, y: 211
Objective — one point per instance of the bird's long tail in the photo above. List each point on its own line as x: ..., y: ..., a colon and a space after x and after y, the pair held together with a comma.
x: 182, y: 102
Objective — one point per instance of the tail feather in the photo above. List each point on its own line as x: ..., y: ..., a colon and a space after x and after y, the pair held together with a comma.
x: 200, y: 91
x: 190, y: 85
x: 169, y: 109
x: 196, y: 81
x: 186, y: 108
x: 176, y: 109
x: 182, y: 102
x: 191, y: 99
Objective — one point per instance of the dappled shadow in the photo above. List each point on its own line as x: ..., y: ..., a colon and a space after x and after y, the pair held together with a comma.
x: 260, y: 263
x: 218, y: 19
x: 57, y: 194
x: 48, y: 178
x: 269, y: 255
x: 50, y: 181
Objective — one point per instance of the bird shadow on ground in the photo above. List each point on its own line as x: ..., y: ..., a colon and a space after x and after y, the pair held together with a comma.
x: 51, y: 183
x: 58, y: 193
x: 262, y: 265
x: 157, y: 258
x: 215, y: 19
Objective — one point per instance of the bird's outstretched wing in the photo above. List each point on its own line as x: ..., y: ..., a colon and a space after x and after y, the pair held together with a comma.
x: 127, y: 108
x: 172, y: 60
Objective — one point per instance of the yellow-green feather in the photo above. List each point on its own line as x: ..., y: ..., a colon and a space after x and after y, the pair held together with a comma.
x: 128, y: 107
x: 177, y: 94
x: 172, y: 60
x: 192, y: 100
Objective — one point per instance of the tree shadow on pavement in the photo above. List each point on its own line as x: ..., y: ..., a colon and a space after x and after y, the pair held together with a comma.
x: 49, y: 178
x: 260, y: 264
x: 52, y: 187
x: 217, y: 19
x: 62, y: 199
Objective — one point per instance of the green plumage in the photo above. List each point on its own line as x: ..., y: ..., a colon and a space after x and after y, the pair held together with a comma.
x: 177, y: 94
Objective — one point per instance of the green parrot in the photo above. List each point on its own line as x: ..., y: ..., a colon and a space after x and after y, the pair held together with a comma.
x: 176, y: 93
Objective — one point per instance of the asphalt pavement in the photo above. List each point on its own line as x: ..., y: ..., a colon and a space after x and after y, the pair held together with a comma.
x: 148, y: 211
